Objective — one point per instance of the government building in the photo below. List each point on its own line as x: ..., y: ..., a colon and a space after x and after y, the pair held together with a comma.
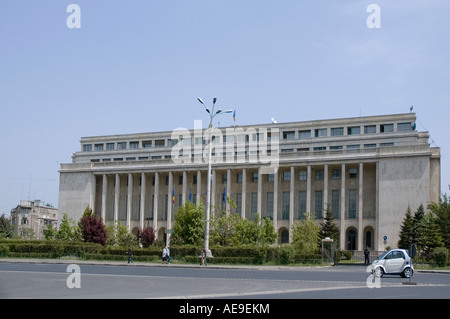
x: 366, y: 170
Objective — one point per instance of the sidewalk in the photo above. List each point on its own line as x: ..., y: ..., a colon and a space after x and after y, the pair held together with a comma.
x: 160, y: 264
x: 149, y: 264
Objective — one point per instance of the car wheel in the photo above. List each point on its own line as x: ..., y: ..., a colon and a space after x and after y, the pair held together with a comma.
x: 407, y: 272
x: 378, y: 272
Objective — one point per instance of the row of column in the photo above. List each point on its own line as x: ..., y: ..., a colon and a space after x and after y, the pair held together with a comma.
x: 170, y: 188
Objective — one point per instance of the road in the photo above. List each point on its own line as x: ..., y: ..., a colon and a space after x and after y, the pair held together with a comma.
x: 139, y: 281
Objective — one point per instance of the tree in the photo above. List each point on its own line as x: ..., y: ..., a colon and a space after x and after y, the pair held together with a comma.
x: 417, y: 229
x: 189, y: 225
x: 147, y: 236
x: 329, y: 227
x: 92, y: 228
x: 406, y: 231
x: 6, y: 228
x: 68, y: 230
x: 305, y: 235
x: 442, y: 212
x: 431, y: 236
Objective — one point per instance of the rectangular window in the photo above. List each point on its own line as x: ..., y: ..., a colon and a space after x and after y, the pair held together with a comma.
x: 336, y: 173
x: 386, y: 144
x: 301, y: 204
x: 372, y: 145
x: 270, y: 178
x: 239, y: 177
x: 318, y: 204
x: 352, y: 203
x: 87, y: 147
x: 303, y: 175
x: 99, y: 147
x: 253, y: 204
x: 352, y: 173
x: 386, y: 128
x: 286, y: 176
x: 304, y: 134
x: 404, y: 127
x: 254, y: 177
x: 285, y: 205
x: 159, y: 143
x: 370, y: 129
x: 109, y: 146
x: 121, y: 145
x: 337, y: 131
x: 288, y: 135
x: 354, y: 130
x: 269, y: 205
x: 335, y: 203
x: 146, y: 144
x: 238, y: 203
x: 319, y: 175
x: 134, y: 145
x: 321, y: 132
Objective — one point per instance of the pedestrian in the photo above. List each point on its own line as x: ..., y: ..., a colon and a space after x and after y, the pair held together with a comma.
x: 366, y: 255
x: 130, y: 254
x: 203, y: 255
x: 168, y: 254
x: 164, y: 254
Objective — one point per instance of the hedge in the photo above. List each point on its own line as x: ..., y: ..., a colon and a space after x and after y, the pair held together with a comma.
x: 191, y: 254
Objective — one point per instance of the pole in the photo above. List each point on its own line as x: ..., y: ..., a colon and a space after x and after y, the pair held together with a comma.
x: 208, y: 197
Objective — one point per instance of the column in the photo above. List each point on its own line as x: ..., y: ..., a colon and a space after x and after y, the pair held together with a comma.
x: 104, y: 193
x: 143, y: 197
x: 244, y: 192
x: 199, y: 188
x: 116, y: 198
x: 308, y: 189
x: 129, y: 200
x: 228, y: 190
x: 92, y: 194
x: 325, y: 190
x: 360, y: 208
x: 275, y: 200
x: 213, y: 189
x: 343, y: 214
x: 259, y: 200
x: 291, y: 202
x: 169, y: 206
x: 183, y: 192
x: 155, y: 204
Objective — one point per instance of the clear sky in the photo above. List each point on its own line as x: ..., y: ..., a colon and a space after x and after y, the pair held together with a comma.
x: 139, y: 65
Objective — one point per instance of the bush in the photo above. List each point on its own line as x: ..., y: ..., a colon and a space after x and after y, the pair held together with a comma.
x: 441, y: 256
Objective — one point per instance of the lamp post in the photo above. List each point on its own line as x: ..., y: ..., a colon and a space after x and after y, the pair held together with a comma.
x: 212, y: 114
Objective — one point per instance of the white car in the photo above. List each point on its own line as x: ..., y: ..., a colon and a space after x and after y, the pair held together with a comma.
x: 393, y: 262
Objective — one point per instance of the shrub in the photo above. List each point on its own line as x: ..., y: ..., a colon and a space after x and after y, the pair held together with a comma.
x: 441, y: 256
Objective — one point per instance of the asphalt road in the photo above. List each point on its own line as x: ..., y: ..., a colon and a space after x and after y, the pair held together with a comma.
x: 140, y: 281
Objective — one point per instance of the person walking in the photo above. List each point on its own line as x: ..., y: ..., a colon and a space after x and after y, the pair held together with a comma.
x: 203, y: 255
x: 366, y: 255
x: 168, y: 254
x: 164, y: 255
x: 130, y: 254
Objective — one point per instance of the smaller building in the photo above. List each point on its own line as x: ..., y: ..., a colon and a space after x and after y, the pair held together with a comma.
x: 32, y: 218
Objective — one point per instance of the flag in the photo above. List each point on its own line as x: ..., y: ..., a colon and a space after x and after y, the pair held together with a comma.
x: 190, y: 195
x: 234, y: 115
x: 173, y: 195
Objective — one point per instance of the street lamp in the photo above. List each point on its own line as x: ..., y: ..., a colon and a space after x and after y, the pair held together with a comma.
x: 212, y: 114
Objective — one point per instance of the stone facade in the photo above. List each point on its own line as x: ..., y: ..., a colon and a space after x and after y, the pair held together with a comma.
x: 367, y: 170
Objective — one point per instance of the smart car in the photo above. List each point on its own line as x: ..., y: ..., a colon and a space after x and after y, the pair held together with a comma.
x: 393, y: 262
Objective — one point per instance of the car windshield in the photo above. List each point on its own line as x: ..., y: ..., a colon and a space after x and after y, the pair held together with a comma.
x: 384, y: 254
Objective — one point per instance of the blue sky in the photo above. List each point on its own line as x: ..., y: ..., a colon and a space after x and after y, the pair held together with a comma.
x: 139, y: 66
